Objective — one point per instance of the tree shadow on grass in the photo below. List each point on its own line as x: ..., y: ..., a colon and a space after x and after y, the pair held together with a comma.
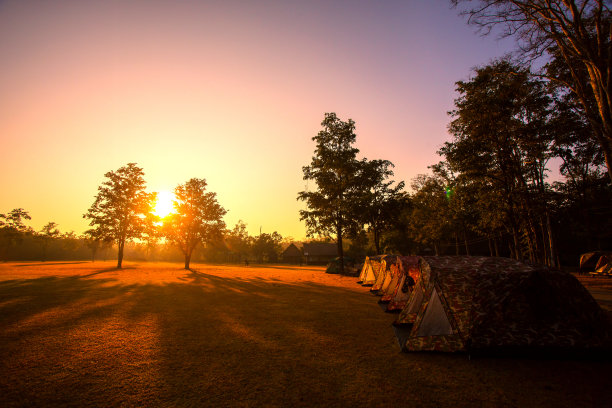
x: 115, y: 269
x: 299, y: 268
x: 50, y: 263
x: 209, y: 340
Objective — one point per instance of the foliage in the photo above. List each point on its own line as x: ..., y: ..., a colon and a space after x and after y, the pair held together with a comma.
x: 380, y: 201
x: 12, y: 229
x: 502, y: 143
x: 238, y: 241
x: 578, y: 32
x: 122, y: 209
x: 428, y: 220
x: 331, y: 208
x: 197, y: 218
x: 46, y: 235
x: 267, y: 247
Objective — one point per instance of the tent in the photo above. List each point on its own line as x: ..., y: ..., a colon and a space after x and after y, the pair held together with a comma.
x: 370, y: 269
x: 384, y: 270
x: 484, y: 305
x: 408, y: 275
x: 589, y: 260
x: 333, y: 267
x: 421, y: 276
x: 604, y: 266
x: 391, y: 277
x: 391, y: 281
x: 364, y: 269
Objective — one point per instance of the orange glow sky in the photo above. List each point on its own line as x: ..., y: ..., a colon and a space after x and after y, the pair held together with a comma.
x: 229, y: 91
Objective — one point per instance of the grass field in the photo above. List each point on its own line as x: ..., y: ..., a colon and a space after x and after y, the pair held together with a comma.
x: 153, y: 334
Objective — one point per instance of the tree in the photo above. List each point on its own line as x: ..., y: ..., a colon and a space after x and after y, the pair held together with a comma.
x: 334, y: 169
x: 122, y: 209
x: 581, y: 32
x: 12, y: 229
x: 429, y: 220
x: 380, y: 202
x: 197, y: 220
x: 46, y: 235
x: 502, y: 140
x: 237, y: 241
x: 267, y: 247
x: 92, y: 242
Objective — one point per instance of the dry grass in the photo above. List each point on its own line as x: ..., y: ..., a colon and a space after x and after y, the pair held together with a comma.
x: 595, y: 282
x: 85, y: 334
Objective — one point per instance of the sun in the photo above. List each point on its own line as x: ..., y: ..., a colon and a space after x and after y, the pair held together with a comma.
x: 164, y: 205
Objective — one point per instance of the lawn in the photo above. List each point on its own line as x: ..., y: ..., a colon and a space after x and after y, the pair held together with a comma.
x: 154, y: 334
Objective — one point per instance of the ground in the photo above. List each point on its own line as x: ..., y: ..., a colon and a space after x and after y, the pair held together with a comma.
x: 153, y: 334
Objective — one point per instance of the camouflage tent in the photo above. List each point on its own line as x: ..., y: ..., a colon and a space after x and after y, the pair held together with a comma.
x: 370, y: 269
x: 365, y: 268
x: 391, y: 276
x: 391, y: 281
x: 407, y: 276
x: 604, y: 266
x: 384, y: 269
x: 480, y: 304
x: 589, y: 260
x: 421, y: 276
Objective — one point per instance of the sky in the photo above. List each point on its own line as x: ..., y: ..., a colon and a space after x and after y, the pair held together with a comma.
x: 229, y: 91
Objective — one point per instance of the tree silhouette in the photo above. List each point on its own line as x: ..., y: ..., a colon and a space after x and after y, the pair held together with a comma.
x: 238, y: 241
x: 335, y: 170
x: 47, y: 234
x: 122, y: 209
x: 381, y: 201
x: 502, y: 140
x: 197, y: 220
x: 267, y: 247
x: 581, y: 34
x: 12, y: 229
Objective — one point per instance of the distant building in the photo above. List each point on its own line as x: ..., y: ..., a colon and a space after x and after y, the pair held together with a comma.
x: 319, y: 252
x: 292, y: 255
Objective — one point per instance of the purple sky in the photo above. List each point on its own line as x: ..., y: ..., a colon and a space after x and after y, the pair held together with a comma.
x: 229, y: 91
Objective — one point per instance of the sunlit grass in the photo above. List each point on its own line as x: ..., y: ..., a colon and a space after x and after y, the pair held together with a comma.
x: 153, y: 334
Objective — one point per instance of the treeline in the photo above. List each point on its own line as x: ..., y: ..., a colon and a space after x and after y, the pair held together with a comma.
x: 20, y: 242
x: 122, y: 219
x: 490, y: 194
x: 508, y: 128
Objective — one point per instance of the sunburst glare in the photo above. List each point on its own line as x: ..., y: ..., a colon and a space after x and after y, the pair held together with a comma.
x: 164, y: 205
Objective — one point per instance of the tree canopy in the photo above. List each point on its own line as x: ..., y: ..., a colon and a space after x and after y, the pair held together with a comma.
x: 12, y: 228
x: 579, y: 35
x: 197, y: 218
x: 122, y: 209
x: 331, y: 208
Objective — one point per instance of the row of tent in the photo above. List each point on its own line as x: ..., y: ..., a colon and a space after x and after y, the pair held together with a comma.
x: 598, y: 263
x: 486, y: 305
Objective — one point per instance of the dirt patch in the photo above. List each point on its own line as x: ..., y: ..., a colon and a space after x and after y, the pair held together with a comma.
x: 154, y: 334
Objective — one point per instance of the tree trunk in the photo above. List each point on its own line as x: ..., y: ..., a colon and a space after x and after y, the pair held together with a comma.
x: 377, y: 241
x: 187, y: 260
x: 490, y: 246
x: 467, y: 247
x: 553, y: 251
x: 120, y: 253
x: 495, y: 246
x: 516, y: 252
x: 456, y: 244
x: 512, y: 251
x: 339, y: 241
